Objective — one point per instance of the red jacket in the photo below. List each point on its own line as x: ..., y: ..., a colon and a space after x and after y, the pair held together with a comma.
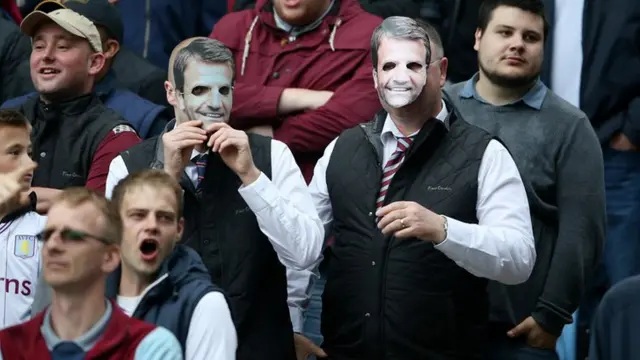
x: 10, y: 7
x: 119, y: 341
x: 335, y: 56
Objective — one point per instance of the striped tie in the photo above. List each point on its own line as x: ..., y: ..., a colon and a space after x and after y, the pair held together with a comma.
x: 391, y: 167
x: 201, y: 167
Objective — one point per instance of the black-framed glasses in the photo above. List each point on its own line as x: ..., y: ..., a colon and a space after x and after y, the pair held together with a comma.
x: 68, y: 234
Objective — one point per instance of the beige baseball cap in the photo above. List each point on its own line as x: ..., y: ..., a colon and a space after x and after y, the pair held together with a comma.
x: 67, y: 19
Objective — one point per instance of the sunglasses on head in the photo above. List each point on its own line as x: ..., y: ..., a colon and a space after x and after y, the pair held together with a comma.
x: 70, y: 235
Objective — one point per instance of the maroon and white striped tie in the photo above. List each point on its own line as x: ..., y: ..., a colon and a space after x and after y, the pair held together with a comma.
x: 391, y: 167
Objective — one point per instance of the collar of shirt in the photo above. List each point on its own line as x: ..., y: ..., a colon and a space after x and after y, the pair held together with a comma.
x: 533, y: 98
x: 296, y: 31
x: 86, y: 341
x: 391, y: 132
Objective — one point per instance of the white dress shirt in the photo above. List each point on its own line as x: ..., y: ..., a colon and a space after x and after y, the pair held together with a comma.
x: 566, y: 60
x: 500, y: 247
x: 283, y: 208
x: 211, y: 336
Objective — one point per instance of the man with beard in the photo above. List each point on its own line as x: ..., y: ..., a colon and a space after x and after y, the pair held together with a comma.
x: 423, y: 208
x: 559, y: 157
x: 247, y: 209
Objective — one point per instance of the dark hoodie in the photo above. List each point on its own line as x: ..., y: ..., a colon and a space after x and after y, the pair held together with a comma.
x: 170, y: 302
x: 335, y: 56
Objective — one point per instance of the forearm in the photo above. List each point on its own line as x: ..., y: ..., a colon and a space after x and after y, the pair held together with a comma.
x: 255, y: 105
x: 296, y: 235
x: 298, y: 288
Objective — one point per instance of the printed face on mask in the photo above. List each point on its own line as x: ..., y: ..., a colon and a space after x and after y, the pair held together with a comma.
x: 207, y: 93
x: 401, y: 72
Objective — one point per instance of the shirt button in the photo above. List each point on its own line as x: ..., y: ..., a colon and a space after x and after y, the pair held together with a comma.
x: 373, y: 263
x: 370, y: 213
x: 43, y: 154
x: 275, y: 75
x: 206, y: 242
x: 367, y: 315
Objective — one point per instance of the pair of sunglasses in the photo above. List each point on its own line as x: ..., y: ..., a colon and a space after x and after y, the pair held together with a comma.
x: 68, y: 234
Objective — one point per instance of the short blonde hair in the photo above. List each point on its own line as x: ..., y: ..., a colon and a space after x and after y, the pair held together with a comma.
x: 153, y: 178
x: 77, y: 196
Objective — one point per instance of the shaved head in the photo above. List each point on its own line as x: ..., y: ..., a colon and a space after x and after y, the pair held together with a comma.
x: 170, y: 84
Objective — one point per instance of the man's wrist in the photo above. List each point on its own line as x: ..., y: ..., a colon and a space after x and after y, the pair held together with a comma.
x: 442, y: 230
x: 250, y: 176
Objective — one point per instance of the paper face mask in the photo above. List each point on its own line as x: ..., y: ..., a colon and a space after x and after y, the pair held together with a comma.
x: 208, y: 92
x: 401, y: 73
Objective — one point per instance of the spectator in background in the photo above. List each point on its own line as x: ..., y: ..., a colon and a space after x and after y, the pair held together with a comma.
x: 74, y: 136
x: 14, y: 61
x: 382, y: 8
x: 301, y: 66
x: 159, y: 281
x: 19, y: 224
x: 593, y: 62
x: 146, y: 117
x: 80, y: 248
x: 268, y: 221
x: 10, y: 10
x: 154, y: 28
x: 560, y: 160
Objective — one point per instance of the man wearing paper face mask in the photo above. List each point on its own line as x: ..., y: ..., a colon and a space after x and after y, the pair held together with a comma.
x: 247, y: 209
x: 425, y: 208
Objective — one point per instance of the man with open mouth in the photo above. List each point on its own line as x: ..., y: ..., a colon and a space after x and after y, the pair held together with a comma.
x: 162, y: 282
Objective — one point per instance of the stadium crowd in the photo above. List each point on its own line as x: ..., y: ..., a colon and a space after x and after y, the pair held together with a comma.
x: 319, y: 179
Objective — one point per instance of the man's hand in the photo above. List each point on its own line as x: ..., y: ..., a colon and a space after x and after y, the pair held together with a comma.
x: 621, y: 142
x: 407, y: 219
x: 536, y: 336
x: 12, y: 185
x: 318, y: 99
x: 306, y: 348
x: 233, y: 147
x: 178, y: 145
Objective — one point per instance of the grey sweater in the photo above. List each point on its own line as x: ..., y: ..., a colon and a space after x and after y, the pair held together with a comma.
x: 560, y: 160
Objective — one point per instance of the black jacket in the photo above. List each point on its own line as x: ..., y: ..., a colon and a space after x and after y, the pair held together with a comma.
x: 610, y: 85
x: 66, y: 136
x: 402, y: 299
x: 15, y: 49
x: 223, y: 230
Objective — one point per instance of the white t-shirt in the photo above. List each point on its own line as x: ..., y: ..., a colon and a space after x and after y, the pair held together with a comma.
x: 211, y: 336
x: 20, y: 264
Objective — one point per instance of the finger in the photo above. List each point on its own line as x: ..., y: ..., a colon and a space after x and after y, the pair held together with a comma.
x: 389, y: 218
x: 227, y: 143
x: 317, y: 351
x: 188, y: 130
x: 397, y: 205
x: 187, y: 143
x: 517, y: 331
x: 392, y: 228
x: 216, y: 126
x: 188, y: 136
x: 22, y: 171
x: 406, y: 233
x: 190, y: 123
x: 215, y: 138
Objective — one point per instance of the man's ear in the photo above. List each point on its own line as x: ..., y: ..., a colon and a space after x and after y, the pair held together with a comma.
x: 111, y: 48
x: 375, y: 78
x: 171, y: 93
x: 96, y: 63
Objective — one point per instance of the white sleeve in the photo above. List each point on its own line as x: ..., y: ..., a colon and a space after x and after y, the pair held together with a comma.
x: 285, y: 211
x: 159, y: 344
x: 212, y: 335
x: 501, y: 246
x: 298, y: 290
x: 117, y: 172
